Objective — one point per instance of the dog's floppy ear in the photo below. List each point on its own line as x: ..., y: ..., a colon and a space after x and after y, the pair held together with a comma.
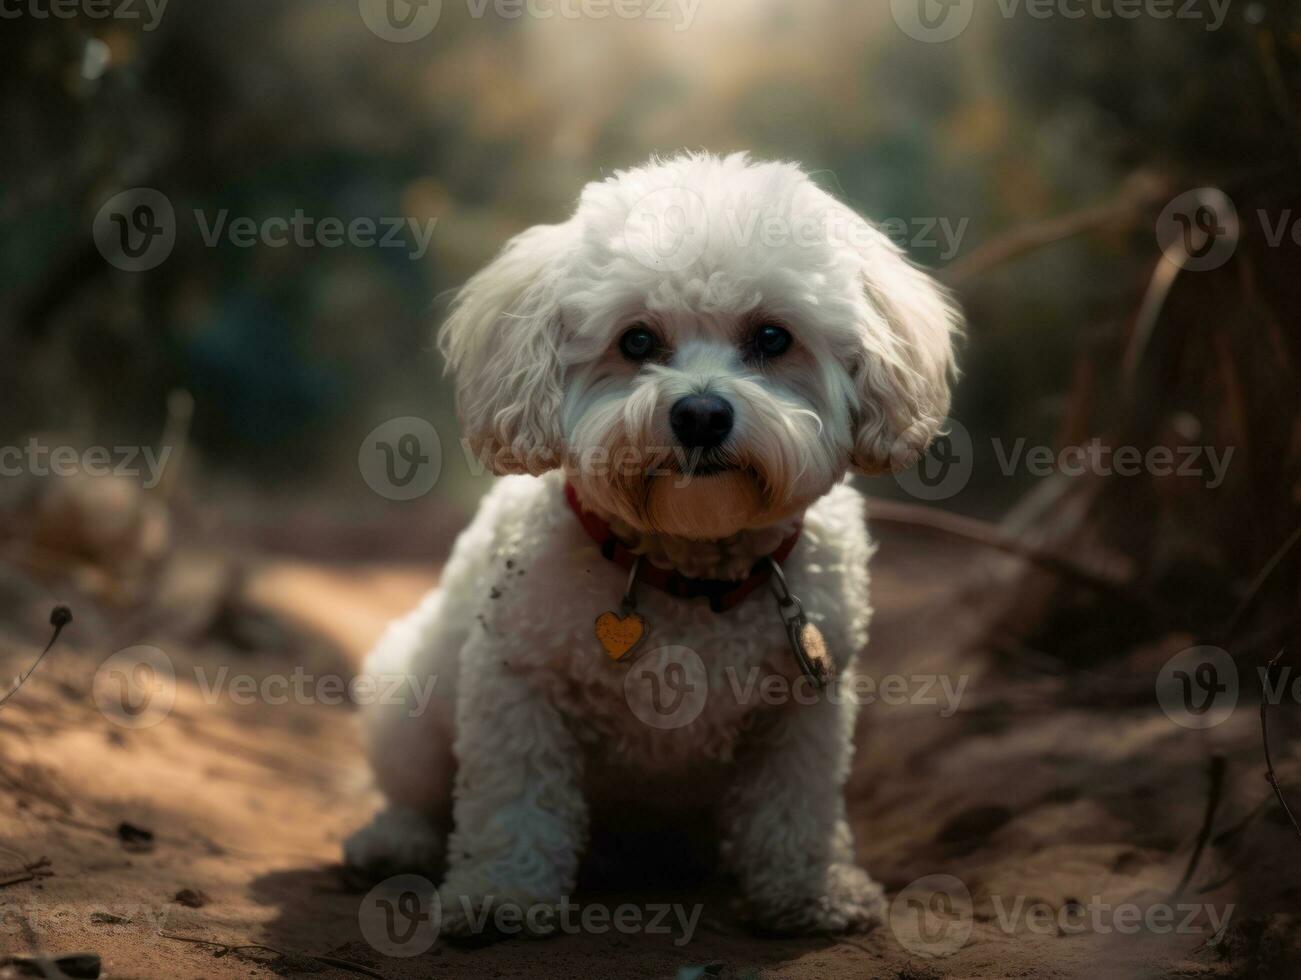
x: 502, y: 340
x: 905, y: 360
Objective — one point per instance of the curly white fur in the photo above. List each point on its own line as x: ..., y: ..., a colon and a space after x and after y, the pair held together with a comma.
x: 532, y: 725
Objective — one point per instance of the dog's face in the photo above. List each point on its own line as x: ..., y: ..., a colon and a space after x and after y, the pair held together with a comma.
x: 706, y: 346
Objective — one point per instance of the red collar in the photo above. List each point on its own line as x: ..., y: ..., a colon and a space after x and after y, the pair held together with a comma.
x: 722, y: 594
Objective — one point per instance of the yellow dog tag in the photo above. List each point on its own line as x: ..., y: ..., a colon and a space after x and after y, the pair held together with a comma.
x: 619, y: 635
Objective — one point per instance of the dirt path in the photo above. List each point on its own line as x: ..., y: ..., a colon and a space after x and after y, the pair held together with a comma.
x: 1042, y: 808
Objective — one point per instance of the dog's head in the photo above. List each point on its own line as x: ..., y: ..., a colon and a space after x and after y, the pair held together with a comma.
x: 707, y: 345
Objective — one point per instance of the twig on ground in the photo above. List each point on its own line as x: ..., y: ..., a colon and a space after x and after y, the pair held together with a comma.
x: 225, y: 949
x: 60, y: 617
x: 1270, y: 774
x: 1139, y: 194
x: 1258, y: 583
x: 1164, y: 276
x: 347, y: 965
x: 1213, y: 797
x: 27, y: 871
x: 882, y: 511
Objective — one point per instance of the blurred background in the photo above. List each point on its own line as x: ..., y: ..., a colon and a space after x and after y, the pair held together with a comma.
x: 1027, y: 158
x: 489, y: 124
x: 1055, y: 171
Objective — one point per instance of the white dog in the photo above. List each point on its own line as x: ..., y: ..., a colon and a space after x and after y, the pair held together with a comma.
x: 679, y: 378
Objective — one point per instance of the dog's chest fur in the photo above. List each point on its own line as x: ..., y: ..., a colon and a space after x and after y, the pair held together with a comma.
x: 545, y: 583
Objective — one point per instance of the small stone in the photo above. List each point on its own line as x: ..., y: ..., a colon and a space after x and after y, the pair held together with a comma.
x: 191, y: 898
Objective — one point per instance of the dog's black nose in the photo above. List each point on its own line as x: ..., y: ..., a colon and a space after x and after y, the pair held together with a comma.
x: 701, y: 421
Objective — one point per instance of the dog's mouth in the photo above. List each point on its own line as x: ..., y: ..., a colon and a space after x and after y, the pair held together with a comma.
x: 709, y: 464
x: 710, y: 469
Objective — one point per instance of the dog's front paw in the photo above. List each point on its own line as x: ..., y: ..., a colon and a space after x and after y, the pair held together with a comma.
x: 473, y: 914
x: 851, y: 902
x: 397, y: 841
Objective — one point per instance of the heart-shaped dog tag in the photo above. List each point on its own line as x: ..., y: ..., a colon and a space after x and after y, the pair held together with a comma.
x: 619, y: 635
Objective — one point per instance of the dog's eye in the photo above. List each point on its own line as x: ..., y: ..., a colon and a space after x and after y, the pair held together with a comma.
x: 638, y: 344
x: 771, y: 340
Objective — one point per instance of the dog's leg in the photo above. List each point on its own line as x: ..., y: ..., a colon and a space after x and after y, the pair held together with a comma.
x: 785, y: 832
x: 520, y: 820
x: 399, y: 840
x: 407, y: 718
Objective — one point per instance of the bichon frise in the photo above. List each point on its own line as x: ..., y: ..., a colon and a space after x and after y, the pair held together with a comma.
x: 653, y: 608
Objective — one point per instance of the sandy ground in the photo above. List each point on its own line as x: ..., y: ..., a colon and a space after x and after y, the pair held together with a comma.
x: 1048, y: 796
